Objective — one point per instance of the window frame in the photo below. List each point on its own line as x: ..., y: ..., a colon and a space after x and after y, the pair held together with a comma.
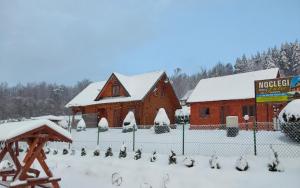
x: 204, y: 112
x: 116, y: 90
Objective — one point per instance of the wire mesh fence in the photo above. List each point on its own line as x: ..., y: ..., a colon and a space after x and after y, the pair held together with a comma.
x: 250, y: 139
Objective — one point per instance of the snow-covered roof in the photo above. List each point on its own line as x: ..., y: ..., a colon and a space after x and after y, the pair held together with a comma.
x: 87, y: 95
x: 49, y: 117
x: 231, y: 87
x: 187, y: 95
x: 12, y: 130
x: 137, y: 86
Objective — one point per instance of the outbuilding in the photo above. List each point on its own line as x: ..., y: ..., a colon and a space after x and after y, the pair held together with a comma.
x: 214, y: 99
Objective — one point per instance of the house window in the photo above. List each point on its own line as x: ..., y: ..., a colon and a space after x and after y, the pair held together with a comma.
x: 116, y: 91
x: 248, y: 110
x: 204, y: 112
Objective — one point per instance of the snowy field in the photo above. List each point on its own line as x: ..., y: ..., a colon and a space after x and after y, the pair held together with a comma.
x: 197, y: 142
x: 89, y: 171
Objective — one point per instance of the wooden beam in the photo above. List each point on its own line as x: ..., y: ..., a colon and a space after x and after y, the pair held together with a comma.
x: 31, y: 145
x: 13, y: 156
x: 3, y: 153
x: 31, y: 159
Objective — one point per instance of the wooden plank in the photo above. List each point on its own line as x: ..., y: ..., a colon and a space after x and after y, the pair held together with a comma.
x: 31, y: 148
x: 13, y: 156
x: 3, y: 152
x: 29, y: 162
x: 44, y: 166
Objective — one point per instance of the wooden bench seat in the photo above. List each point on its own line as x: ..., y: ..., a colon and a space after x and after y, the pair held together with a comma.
x: 42, y: 182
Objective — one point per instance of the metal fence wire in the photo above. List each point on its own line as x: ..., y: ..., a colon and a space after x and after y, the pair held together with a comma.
x: 250, y: 139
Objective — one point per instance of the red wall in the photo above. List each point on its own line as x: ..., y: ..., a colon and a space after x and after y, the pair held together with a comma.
x: 107, y: 90
x: 232, y: 108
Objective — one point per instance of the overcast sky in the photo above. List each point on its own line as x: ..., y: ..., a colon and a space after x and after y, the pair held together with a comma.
x: 65, y: 41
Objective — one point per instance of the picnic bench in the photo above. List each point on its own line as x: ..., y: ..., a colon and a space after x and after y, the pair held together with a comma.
x: 36, y: 134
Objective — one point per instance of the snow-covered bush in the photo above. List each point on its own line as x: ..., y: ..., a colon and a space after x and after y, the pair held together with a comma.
x: 161, y: 122
x: 83, y: 152
x: 63, y: 123
x: 103, y: 125
x: 241, y: 164
x: 289, y: 119
x: 47, y: 151
x: 138, y: 154
x: 214, y: 162
x: 21, y: 149
x: 153, y: 158
x: 275, y: 165
x: 6, y: 165
x: 172, y: 158
x: 189, y: 162
x: 81, y: 126
x: 183, y: 115
x: 97, y: 152
x: 109, y: 152
x: 65, y: 151
x: 129, y: 123
x: 55, y: 151
x: 123, y: 152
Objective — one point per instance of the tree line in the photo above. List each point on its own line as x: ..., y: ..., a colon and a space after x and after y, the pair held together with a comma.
x: 35, y: 99
x: 286, y: 58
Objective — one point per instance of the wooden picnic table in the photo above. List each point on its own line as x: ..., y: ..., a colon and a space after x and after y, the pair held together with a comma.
x: 39, y: 133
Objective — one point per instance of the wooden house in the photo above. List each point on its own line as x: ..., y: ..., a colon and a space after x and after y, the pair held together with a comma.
x: 234, y: 95
x: 143, y: 94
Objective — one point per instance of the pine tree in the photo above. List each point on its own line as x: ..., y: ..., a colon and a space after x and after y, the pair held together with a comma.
x: 274, y: 165
x: 55, y: 152
x: 189, y: 162
x: 47, y: 151
x: 65, y: 151
x: 241, y: 65
x: 109, y: 152
x: 123, y: 152
x: 83, y: 152
x: 153, y: 157
x: 138, y: 154
x: 214, y: 162
x: 172, y: 158
x: 97, y: 152
x: 242, y: 164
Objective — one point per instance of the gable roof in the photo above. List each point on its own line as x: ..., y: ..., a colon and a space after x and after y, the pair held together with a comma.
x: 137, y: 86
x: 12, y: 130
x: 231, y: 87
x: 87, y: 95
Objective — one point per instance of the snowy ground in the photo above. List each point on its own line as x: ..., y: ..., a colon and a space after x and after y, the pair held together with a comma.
x: 89, y: 171
x: 197, y: 142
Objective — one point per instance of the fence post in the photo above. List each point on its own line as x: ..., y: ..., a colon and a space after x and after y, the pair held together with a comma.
x: 183, y: 137
x: 133, y: 139
x: 98, y: 137
x: 70, y: 128
x: 254, y: 137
